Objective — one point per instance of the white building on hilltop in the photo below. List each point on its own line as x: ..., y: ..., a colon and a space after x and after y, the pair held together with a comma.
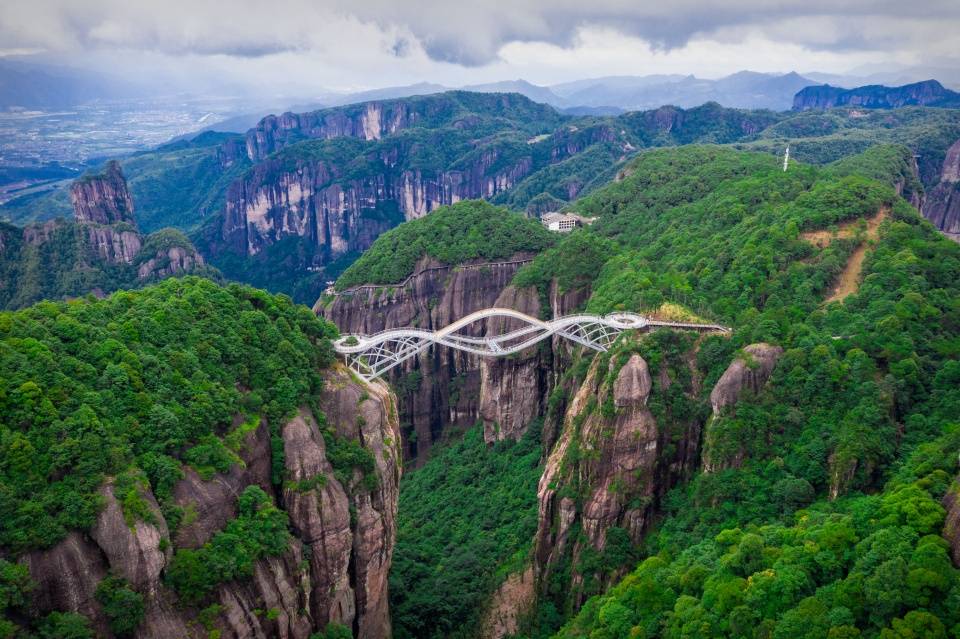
x: 563, y: 222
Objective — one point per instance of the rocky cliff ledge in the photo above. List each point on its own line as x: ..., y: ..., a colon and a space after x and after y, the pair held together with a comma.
x: 102, y: 198
x: 942, y: 205
x: 336, y: 564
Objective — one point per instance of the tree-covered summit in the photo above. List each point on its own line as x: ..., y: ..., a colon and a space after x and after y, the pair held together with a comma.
x: 451, y: 235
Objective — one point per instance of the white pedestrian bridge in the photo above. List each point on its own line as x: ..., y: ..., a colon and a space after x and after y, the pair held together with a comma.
x: 370, y: 356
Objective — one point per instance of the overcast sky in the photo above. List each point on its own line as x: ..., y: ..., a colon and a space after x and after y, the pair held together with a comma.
x: 303, y: 45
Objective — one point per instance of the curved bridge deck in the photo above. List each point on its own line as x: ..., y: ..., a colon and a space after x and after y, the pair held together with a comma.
x: 372, y: 355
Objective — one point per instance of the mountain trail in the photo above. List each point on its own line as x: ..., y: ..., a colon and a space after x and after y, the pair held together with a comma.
x: 849, y: 280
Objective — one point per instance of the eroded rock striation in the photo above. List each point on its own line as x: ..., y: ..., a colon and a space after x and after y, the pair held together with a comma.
x: 613, y: 462
x: 102, y: 198
x: 443, y: 387
x: 335, y: 567
x: 942, y: 204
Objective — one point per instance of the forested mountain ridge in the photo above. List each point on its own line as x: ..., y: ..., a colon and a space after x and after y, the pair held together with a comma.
x: 808, y: 422
x: 170, y: 458
x: 294, y: 201
x: 810, y: 474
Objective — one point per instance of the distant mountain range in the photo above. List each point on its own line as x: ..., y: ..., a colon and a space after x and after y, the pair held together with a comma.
x: 611, y: 95
x: 50, y: 86
x: 877, y: 96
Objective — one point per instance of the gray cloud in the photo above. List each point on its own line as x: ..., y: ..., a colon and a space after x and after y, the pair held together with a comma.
x: 472, y: 33
x: 469, y: 33
x: 309, y: 45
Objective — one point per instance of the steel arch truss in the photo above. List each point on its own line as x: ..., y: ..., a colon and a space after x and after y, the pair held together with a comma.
x: 370, y: 356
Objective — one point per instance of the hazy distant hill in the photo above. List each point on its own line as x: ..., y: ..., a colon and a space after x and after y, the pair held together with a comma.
x: 746, y: 89
x: 34, y: 86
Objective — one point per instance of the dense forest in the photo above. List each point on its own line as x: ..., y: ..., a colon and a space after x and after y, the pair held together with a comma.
x: 813, y: 506
x: 451, y: 235
x: 466, y: 520
x: 131, y: 388
x: 822, y: 516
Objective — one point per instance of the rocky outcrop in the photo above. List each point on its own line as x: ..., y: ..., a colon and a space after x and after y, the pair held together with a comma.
x: 942, y: 204
x: 171, y: 261
x: 67, y: 576
x: 926, y: 93
x: 334, y: 569
x: 209, y: 505
x: 747, y: 374
x: 611, y: 466
x: 102, y: 198
x: 951, y: 525
x: 367, y: 413
x: 377, y: 119
x: 513, y: 599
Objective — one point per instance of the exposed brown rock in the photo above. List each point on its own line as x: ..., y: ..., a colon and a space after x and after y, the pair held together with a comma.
x: 633, y: 383
x: 626, y: 463
x: 132, y: 552
x: 172, y: 261
x: 113, y: 245
x: 942, y: 204
x: 277, y: 588
x: 67, y: 575
x: 321, y: 518
x: 745, y: 373
x: 513, y: 389
x: 102, y: 198
x: 350, y: 561
x: 209, y: 505
x: 951, y: 526
x: 513, y: 598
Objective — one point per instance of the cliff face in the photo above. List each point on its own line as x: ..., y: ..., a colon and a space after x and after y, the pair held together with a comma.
x: 102, y: 198
x: 951, y: 526
x: 942, y: 204
x: 377, y: 119
x: 334, y: 213
x: 604, y: 478
x: 443, y: 387
x: 335, y: 568
x: 927, y: 93
x: 439, y: 386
